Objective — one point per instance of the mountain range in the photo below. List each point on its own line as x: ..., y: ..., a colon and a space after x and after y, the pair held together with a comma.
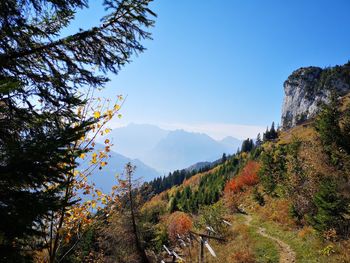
x: 166, y: 150
x: 106, y: 177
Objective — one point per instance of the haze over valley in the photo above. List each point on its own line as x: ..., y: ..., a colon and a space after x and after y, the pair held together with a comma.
x: 165, y: 150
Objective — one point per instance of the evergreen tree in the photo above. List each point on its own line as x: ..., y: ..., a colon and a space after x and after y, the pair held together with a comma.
x: 223, y: 158
x: 332, y: 208
x: 247, y: 145
x: 39, y: 78
x: 258, y: 141
x: 346, y: 131
x: 266, y: 135
x: 273, y: 169
x: 173, y: 205
x: 327, y: 125
x: 273, y: 133
x: 34, y: 156
x: 270, y: 134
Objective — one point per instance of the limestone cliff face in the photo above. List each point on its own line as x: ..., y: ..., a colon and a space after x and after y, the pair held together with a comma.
x: 307, y: 88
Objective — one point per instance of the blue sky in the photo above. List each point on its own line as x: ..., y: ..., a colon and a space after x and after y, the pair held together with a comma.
x: 219, y: 66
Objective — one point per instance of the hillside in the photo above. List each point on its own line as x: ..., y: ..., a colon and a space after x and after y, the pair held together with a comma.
x: 284, y: 199
x: 287, y: 221
x: 116, y: 125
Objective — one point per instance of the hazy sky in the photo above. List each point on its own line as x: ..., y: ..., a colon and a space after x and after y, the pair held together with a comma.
x: 219, y: 65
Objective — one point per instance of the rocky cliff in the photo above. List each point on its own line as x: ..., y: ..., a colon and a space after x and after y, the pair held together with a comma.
x: 307, y: 88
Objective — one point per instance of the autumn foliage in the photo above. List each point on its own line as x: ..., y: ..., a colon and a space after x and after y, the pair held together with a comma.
x: 178, y: 223
x: 247, y: 177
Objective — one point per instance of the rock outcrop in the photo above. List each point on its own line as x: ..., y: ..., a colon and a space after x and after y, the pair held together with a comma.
x: 307, y: 88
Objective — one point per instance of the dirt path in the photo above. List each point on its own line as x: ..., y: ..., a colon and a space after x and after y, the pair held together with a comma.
x: 287, y: 254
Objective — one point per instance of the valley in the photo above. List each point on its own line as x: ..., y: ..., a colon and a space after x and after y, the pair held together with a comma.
x: 144, y: 131
x: 285, y: 198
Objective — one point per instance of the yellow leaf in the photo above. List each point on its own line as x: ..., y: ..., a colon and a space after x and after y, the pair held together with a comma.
x: 94, y: 158
x: 102, y: 155
x: 106, y: 141
x: 97, y: 114
x: 110, y: 114
x: 116, y: 107
x: 103, y: 164
x: 107, y: 130
x: 82, y: 156
x: 99, y: 193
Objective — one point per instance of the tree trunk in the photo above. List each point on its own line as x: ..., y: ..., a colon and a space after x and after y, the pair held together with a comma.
x: 141, y: 251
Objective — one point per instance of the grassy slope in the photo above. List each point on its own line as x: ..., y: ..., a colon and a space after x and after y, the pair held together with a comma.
x: 274, y: 217
x: 306, y: 249
x: 265, y: 249
x: 308, y: 245
x: 243, y: 245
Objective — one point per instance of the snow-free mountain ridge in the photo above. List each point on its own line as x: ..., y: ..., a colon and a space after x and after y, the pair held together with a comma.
x: 165, y: 150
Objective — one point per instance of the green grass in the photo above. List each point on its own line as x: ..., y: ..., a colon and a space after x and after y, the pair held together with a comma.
x: 265, y: 249
x: 306, y: 249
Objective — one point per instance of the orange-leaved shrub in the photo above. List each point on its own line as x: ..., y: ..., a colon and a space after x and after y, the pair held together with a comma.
x: 179, y: 223
x: 247, y: 177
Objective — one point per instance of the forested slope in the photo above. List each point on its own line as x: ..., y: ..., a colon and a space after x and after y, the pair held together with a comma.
x: 294, y: 185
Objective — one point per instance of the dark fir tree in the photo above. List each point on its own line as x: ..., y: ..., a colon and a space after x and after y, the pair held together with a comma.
x: 332, y: 209
x: 270, y: 134
x: 327, y: 125
x: 40, y: 75
x: 258, y: 141
x: 177, y: 177
x: 223, y: 158
x: 273, y: 132
x: 266, y: 135
x: 247, y: 145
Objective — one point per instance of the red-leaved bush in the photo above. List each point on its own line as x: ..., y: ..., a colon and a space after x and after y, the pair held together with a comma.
x: 247, y: 177
x: 178, y: 223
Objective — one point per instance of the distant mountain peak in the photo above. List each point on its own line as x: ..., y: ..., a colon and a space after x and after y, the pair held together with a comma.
x: 169, y: 150
x: 105, y: 178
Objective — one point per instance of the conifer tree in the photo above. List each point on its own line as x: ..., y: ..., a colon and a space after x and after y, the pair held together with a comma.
x: 224, y: 158
x: 327, y: 125
x: 273, y: 132
x: 332, y: 208
x: 266, y: 135
x: 41, y: 76
x: 247, y: 145
x: 258, y: 140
